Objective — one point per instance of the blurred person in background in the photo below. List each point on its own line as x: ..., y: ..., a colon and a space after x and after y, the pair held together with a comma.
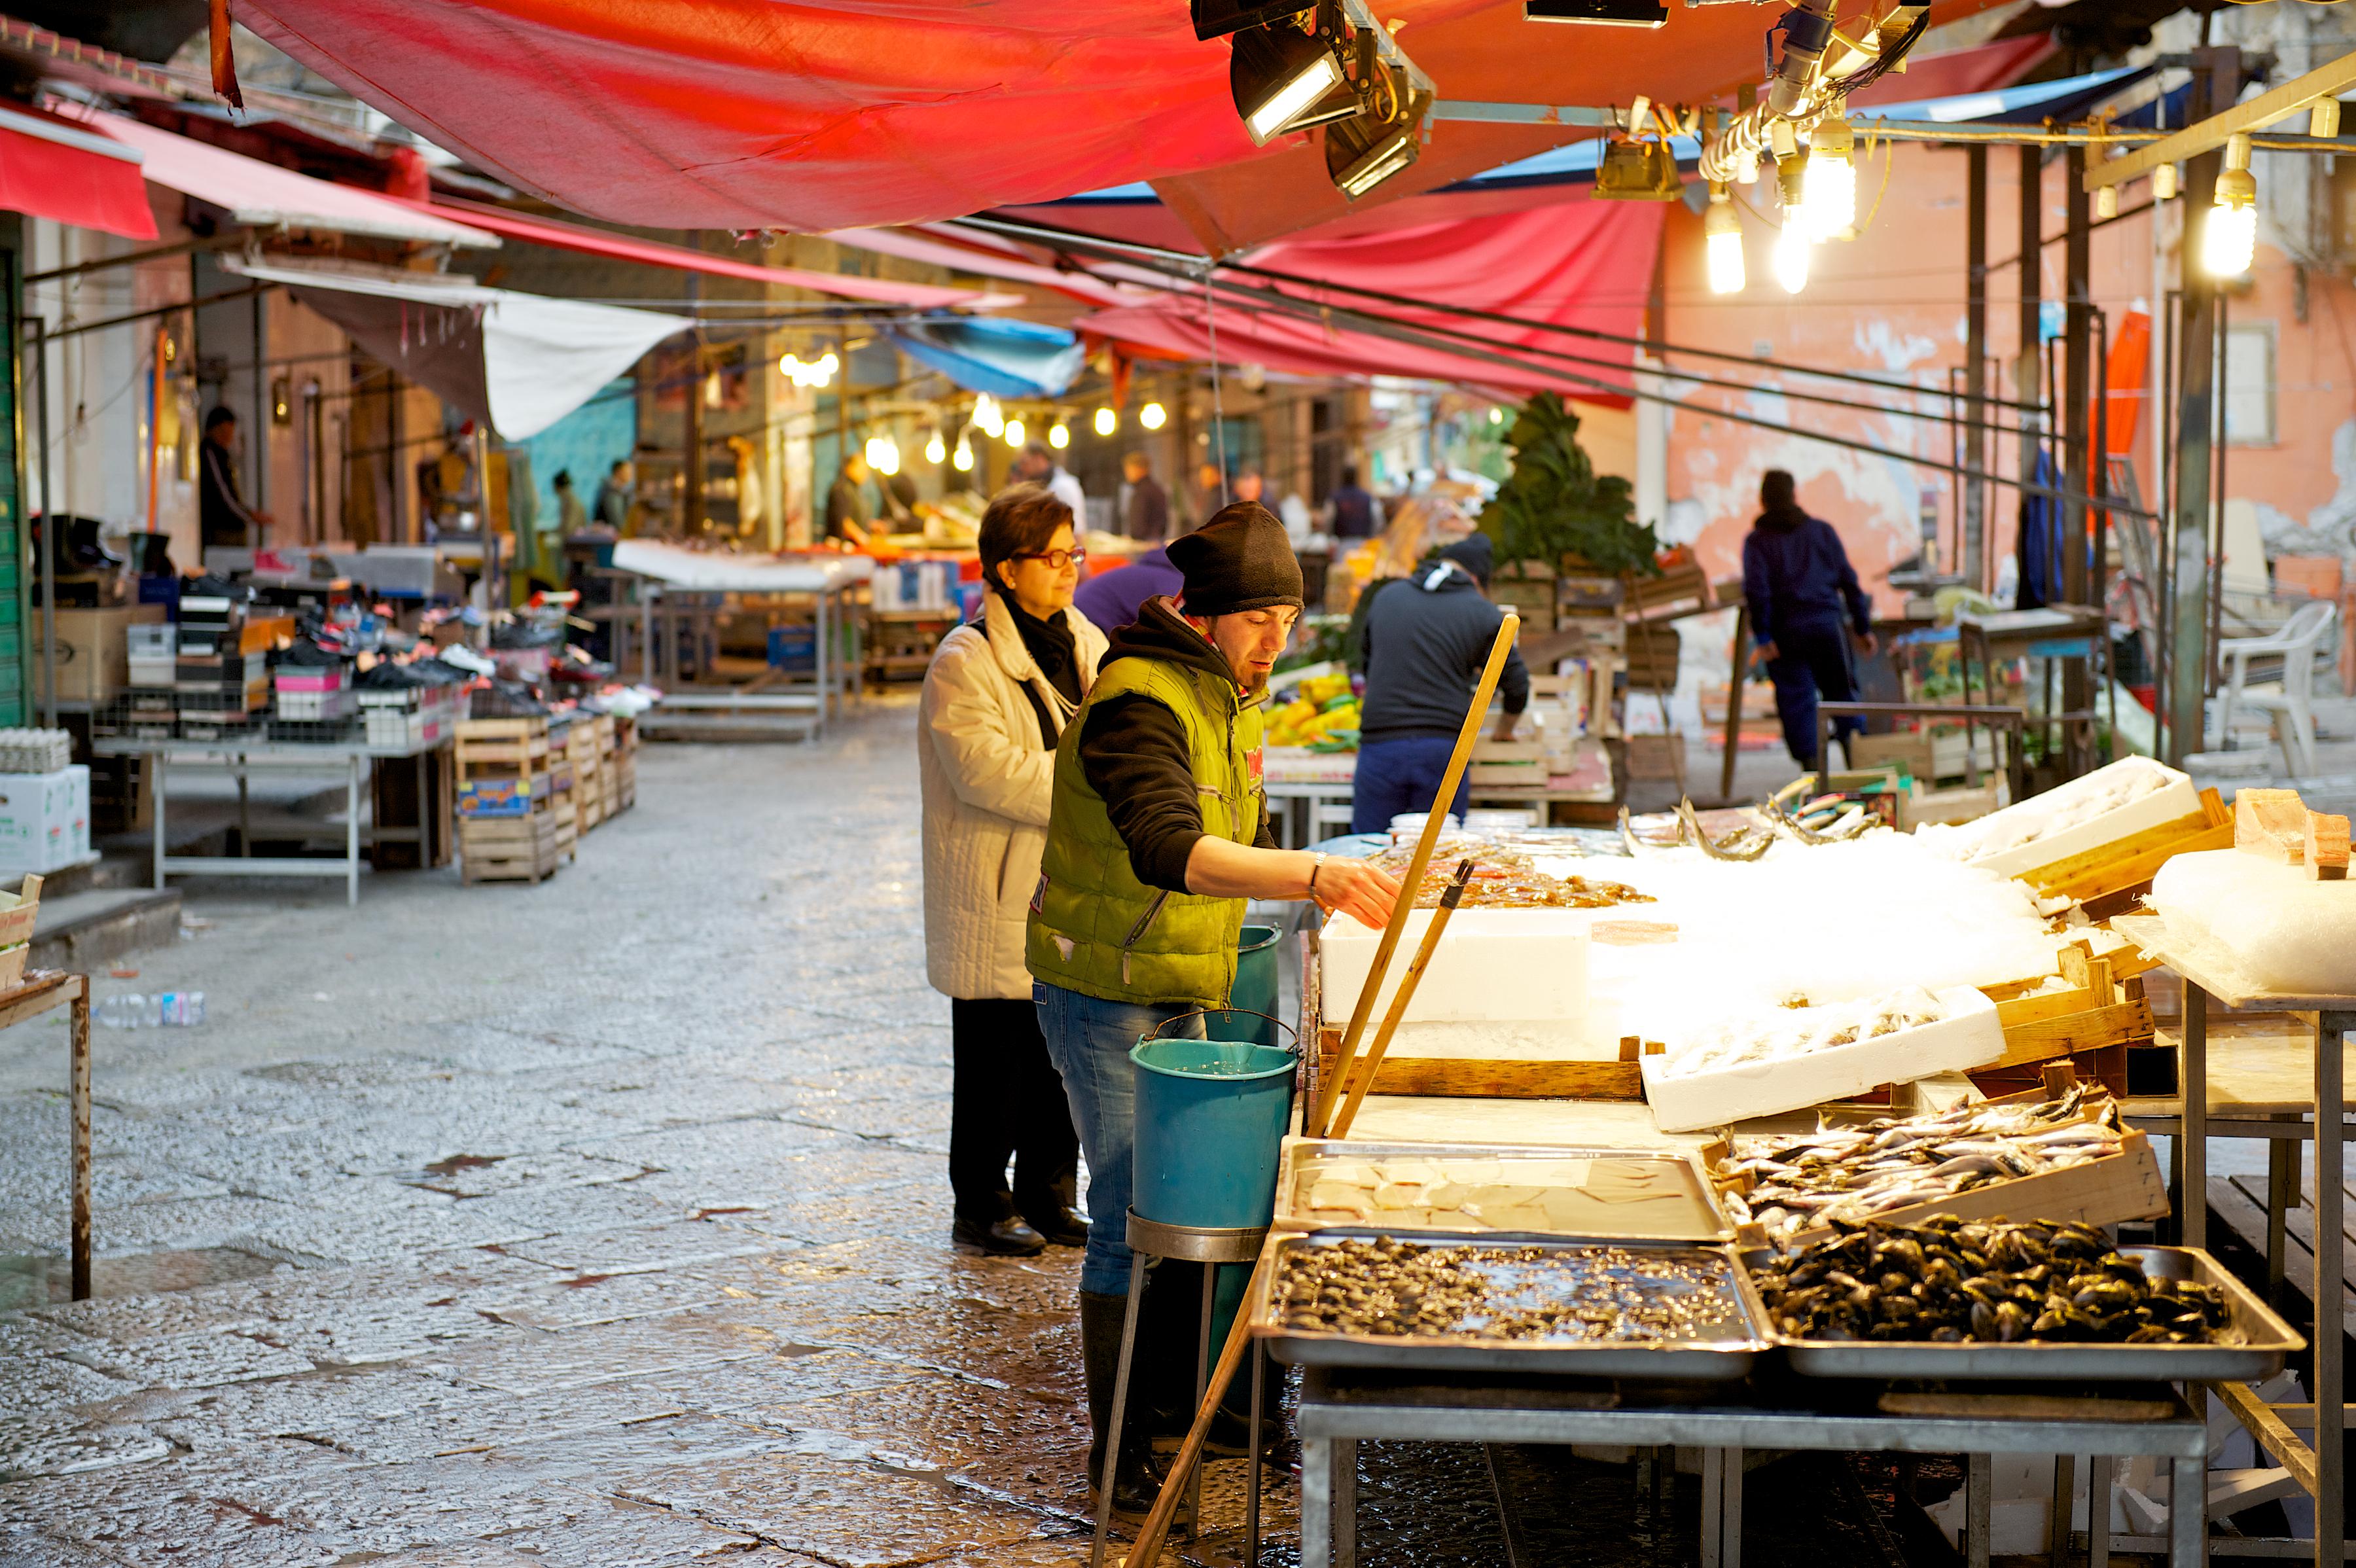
x: 1800, y: 587
x: 1351, y: 512
x: 1145, y: 505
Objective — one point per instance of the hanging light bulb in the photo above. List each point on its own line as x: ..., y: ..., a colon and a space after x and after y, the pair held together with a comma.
x: 937, y: 450
x: 2229, y: 239
x: 1791, y: 247
x: 1014, y: 432
x: 963, y: 461
x: 986, y: 415
x: 1496, y: 416
x: 2163, y: 183
x: 1723, y: 236
x: 1829, y: 199
x: 1059, y: 436
x: 1106, y: 421
x: 1152, y: 416
x: 2106, y: 201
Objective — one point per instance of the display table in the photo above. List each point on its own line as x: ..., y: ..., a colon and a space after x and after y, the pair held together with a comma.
x: 2210, y: 974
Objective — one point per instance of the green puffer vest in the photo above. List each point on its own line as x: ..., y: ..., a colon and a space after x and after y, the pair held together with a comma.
x: 1095, y: 928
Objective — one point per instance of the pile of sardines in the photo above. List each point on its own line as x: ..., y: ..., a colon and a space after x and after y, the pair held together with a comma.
x: 1853, y: 1174
x: 1951, y: 1281
x: 1598, y: 1293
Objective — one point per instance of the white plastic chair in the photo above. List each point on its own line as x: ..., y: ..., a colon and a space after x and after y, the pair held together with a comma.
x: 2297, y: 646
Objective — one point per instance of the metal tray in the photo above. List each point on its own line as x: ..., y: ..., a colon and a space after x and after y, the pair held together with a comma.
x: 1716, y: 1360
x: 2263, y: 1341
x: 1698, y: 1218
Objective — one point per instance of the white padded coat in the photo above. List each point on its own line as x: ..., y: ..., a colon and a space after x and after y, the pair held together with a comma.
x: 987, y: 784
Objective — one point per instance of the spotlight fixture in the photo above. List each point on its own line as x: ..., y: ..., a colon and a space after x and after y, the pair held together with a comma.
x: 963, y: 461
x: 1152, y: 416
x: 1598, y: 13
x: 1370, y: 147
x: 2163, y: 183
x: 2229, y: 239
x: 1723, y: 232
x: 1106, y: 421
x: 1791, y: 247
x: 937, y: 450
x: 2106, y: 201
x: 1829, y: 197
x: 1217, y: 18
x: 2323, y: 119
x: 1014, y: 432
x: 1284, y: 78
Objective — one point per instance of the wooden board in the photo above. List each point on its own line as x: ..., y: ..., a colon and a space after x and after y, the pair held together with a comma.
x: 2120, y: 1024
x: 1504, y: 1078
x: 2136, y: 858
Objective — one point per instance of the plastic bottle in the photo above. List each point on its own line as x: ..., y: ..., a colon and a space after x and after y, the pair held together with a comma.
x: 180, y: 1009
x: 126, y: 1011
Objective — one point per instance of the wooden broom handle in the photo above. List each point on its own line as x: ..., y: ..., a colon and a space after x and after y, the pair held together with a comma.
x: 1399, y: 999
x: 1329, y: 1093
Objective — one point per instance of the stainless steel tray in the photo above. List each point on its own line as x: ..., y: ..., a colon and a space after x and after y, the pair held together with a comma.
x: 1696, y: 1216
x: 1727, y: 1358
x: 2261, y: 1341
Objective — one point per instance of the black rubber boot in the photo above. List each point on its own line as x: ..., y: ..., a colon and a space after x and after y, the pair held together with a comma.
x: 1137, y: 1480
x: 1172, y: 1322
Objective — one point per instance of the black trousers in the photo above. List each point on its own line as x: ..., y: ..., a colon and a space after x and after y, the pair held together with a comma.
x: 1007, y: 1103
x: 1811, y: 662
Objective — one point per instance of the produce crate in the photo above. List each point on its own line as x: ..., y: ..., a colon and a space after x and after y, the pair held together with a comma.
x: 511, y: 743
x: 520, y: 849
x: 2093, y: 1021
x: 2109, y: 875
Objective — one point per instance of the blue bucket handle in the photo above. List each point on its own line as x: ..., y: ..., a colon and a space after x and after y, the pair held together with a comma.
x: 1292, y: 1050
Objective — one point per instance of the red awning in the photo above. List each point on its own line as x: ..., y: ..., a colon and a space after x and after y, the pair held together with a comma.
x: 655, y: 254
x: 1582, y: 263
x: 821, y: 115
x: 57, y: 171
x: 1982, y: 68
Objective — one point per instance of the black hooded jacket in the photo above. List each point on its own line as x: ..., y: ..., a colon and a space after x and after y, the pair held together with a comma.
x: 1133, y: 753
x: 1426, y: 640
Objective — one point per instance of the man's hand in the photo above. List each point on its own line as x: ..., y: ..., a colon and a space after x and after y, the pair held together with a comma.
x: 1358, y: 888
x: 1866, y: 644
x: 1765, y: 654
x: 1506, y: 727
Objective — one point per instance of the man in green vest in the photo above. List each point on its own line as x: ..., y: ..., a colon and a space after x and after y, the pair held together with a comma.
x: 1156, y: 835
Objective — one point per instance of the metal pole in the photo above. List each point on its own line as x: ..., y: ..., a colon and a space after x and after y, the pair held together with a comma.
x: 2076, y: 387
x: 48, y: 545
x: 2214, y: 82
x: 2027, y: 383
x: 1972, y: 563
x: 2330, y: 1253
x: 77, y: 1092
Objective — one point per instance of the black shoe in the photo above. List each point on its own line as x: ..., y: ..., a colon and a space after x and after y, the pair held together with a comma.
x: 1008, y: 1238
x: 1137, y: 1478
x: 1060, y: 1226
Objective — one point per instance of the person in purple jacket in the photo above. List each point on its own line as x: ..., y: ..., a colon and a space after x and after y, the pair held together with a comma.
x: 1800, y: 588
x: 1112, y: 599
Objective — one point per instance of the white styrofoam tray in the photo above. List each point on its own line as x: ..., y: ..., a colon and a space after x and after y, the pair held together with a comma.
x: 1492, y: 966
x: 2177, y: 799
x: 1968, y: 1036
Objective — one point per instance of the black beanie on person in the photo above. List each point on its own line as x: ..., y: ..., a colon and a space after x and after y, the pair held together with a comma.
x: 1241, y: 560
x: 1475, y: 554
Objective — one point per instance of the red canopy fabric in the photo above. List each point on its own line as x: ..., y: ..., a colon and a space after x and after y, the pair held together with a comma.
x: 1580, y: 263
x: 1983, y: 69
x: 814, y: 115
x: 49, y: 170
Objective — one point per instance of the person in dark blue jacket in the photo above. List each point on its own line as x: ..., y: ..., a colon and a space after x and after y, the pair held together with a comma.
x: 1800, y: 588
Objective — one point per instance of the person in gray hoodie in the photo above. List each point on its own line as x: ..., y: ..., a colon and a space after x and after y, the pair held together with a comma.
x: 1425, y: 639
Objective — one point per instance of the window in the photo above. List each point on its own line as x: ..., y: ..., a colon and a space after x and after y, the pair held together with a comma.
x: 2250, y: 385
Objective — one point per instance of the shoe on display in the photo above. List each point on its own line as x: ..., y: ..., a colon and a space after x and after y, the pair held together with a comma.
x: 1008, y: 1238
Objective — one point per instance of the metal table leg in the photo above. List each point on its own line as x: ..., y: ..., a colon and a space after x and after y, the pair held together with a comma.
x: 78, y: 1092
x: 2098, y: 1511
x: 244, y: 813
x: 1202, y: 1382
x: 1979, y: 1489
x: 1316, y: 1502
x: 1345, y: 1502
x: 160, y: 841
x: 1713, y: 1506
x: 1729, y: 1513
x: 2188, y: 1527
x: 1112, y: 1433
x: 825, y: 690
x: 2192, y: 1078
x: 1252, y: 1457
x: 352, y: 828
x: 2056, y: 1522
x: 2285, y: 1161
x: 2330, y: 1259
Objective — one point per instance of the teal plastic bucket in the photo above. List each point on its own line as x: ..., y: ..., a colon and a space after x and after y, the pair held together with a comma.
x: 1211, y: 1116
x: 1255, y: 989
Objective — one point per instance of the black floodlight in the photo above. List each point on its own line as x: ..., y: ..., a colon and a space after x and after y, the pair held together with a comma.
x: 1217, y: 18
x: 1286, y: 79
x: 1599, y: 13
x: 1364, y: 151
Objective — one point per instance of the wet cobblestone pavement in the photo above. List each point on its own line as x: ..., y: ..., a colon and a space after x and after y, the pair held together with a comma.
x: 599, y: 1223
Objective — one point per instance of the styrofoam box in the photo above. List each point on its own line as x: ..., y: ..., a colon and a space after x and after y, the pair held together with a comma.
x: 2177, y: 799
x: 44, y: 819
x: 1968, y: 1036
x: 1492, y: 966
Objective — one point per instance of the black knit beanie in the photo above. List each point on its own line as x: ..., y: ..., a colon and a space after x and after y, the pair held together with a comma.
x: 1241, y: 560
x: 1475, y: 554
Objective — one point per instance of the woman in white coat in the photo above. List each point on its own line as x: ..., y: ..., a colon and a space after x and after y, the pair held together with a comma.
x: 997, y: 697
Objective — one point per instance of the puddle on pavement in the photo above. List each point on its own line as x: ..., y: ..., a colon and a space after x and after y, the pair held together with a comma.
x: 38, y: 1281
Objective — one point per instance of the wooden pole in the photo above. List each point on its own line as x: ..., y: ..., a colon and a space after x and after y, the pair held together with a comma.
x: 1329, y: 1094
x: 1147, y: 1548
x: 1408, y: 982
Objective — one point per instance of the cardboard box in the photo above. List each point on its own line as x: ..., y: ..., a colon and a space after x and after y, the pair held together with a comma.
x: 93, y: 650
x: 44, y: 818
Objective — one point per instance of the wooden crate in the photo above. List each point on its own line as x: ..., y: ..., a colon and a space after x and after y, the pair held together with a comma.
x: 2114, y: 872
x: 2092, y: 1023
x: 513, y: 743
x: 1487, y: 1078
x: 507, y: 849
x: 1654, y: 653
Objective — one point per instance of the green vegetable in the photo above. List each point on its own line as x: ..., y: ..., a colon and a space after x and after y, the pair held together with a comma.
x: 1555, y: 504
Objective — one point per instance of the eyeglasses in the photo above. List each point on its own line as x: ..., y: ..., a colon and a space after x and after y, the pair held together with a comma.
x: 1057, y: 560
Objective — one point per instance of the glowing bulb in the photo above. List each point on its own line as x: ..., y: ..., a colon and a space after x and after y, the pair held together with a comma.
x: 1106, y: 421
x: 1496, y: 416
x: 828, y: 364
x: 963, y: 461
x: 1829, y: 198
x: 1152, y: 416
x: 2229, y: 241
x: 1015, y: 433
x: 1059, y: 436
x: 884, y: 454
x: 1723, y: 230
x: 987, y: 417
x: 1791, y: 247
x: 937, y: 450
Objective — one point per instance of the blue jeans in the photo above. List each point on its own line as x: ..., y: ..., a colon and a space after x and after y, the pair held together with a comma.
x: 1089, y: 1040
x: 1402, y: 775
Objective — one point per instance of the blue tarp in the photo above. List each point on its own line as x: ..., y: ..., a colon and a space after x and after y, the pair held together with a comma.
x: 988, y: 354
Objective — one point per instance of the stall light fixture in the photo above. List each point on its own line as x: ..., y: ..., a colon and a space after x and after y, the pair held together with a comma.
x: 884, y: 454
x: 1829, y: 196
x: 2229, y: 241
x: 1496, y: 416
x: 2323, y: 119
x: 2163, y: 183
x: 1791, y: 247
x: 814, y: 373
x: 1285, y: 79
x: 1362, y: 153
x: 1723, y: 232
x: 2106, y: 201
x: 1059, y: 436
x: 963, y: 461
x: 1152, y: 416
x: 1013, y: 433
x: 937, y: 450
x: 987, y: 417
x: 1106, y: 421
